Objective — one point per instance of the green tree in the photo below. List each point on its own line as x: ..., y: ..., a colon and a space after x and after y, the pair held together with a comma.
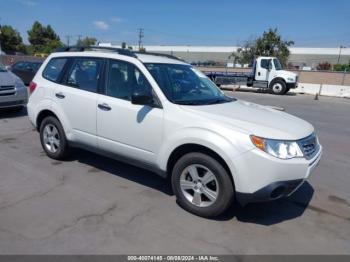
x: 43, y: 39
x: 341, y: 67
x: 11, y: 40
x: 87, y: 41
x: 269, y: 44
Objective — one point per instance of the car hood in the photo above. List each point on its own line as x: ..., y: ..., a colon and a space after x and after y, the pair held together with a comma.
x: 286, y: 74
x: 255, y: 119
x: 7, y: 78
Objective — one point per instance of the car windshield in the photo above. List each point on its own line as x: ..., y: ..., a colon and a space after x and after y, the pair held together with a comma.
x: 277, y: 63
x: 184, y: 84
x: 2, y: 68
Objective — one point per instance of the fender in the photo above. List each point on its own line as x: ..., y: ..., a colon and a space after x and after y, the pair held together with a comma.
x: 202, y: 137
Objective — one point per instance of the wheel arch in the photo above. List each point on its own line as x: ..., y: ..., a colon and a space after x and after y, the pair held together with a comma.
x: 277, y: 79
x: 42, y: 115
x: 183, y: 149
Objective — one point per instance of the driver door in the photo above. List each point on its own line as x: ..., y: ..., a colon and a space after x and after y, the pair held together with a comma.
x: 125, y: 129
x: 262, y: 73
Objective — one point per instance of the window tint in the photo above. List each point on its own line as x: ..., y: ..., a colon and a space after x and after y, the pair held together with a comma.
x: 19, y: 65
x: 184, y: 84
x: 123, y: 78
x: 84, y: 74
x: 54, y: 68
x: 265, y: 63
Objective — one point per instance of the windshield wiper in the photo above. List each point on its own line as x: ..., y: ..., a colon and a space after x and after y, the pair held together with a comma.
x: 219, y: 101
x: 183, y: 102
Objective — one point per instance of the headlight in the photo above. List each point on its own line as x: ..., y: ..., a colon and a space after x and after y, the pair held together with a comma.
x: 290, y: 79
x: 278, y: 148
x: 19, y: 82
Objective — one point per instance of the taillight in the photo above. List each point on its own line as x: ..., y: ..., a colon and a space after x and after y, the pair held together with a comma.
x: 32, y: 87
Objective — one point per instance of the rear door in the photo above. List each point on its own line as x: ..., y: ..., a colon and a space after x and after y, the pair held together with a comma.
x: 77, y: 97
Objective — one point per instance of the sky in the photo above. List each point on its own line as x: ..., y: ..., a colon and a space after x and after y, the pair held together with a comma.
x: 308, y: 23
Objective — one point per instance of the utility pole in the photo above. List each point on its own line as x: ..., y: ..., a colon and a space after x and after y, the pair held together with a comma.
x: 141, y: 35
x: 79, y: 38
x: 68, y: 37
x: 340, y: 48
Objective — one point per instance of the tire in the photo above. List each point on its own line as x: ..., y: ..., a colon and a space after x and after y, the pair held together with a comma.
x: 55, y: 144
x: 278, y: 87
x: 184, y: 187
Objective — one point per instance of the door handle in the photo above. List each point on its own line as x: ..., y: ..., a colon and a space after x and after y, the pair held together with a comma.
x: 60, y: 95
x: 104, y: 107
x: 259, y: 74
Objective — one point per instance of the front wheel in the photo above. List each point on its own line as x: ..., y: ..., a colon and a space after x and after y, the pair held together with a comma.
x: 202, y: 185
x: 278, y: 87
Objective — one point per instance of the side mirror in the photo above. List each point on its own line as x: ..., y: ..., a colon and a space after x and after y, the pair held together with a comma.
x: 142, y: 97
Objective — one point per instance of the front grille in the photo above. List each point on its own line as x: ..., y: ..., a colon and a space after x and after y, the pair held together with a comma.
x: 296, y: 79
x: 7, y: 90
x: 309, y: 146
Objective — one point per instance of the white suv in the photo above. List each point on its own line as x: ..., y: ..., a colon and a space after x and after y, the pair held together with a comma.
x: 160, y: 113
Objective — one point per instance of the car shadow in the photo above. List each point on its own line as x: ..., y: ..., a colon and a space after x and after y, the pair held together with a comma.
x: 120, y: 169
x: 262, y: 91
x: 274, y: 212
x: 267, y: 213
x: 12, y: 113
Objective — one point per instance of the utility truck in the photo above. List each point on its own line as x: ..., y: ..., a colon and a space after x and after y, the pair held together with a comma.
x: 267, y: 73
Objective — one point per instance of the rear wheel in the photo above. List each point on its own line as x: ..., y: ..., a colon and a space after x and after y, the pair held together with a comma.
x: 202, y: 185
x: 53, y: 138
x: 278, y: 87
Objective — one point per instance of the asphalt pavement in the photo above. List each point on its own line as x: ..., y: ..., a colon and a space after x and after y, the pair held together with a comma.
x: 90, y: 204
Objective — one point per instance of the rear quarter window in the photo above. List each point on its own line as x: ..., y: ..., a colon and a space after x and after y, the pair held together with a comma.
x: 54, y: 69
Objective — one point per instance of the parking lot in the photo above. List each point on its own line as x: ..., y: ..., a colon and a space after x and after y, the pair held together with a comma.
x: 93, y: 205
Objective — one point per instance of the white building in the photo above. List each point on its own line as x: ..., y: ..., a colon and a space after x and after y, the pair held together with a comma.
x: 302, y: 56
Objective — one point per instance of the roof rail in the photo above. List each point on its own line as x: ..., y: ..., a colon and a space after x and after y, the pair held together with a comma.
x: 87, y: 48
x: 158, y: 54
x: 118, y: 50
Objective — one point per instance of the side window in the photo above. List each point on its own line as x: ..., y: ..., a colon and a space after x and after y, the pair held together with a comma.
x: 123, y: 78
x: 265, y: 63
x: 85, y: 73
x: 54, y: 68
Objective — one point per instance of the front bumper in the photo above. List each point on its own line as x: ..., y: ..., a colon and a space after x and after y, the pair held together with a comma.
x: 19, y: 98
x: 292, y: 85
x: 264, y: 178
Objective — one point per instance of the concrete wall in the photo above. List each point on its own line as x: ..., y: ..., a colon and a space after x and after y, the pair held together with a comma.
x: 323, y: 90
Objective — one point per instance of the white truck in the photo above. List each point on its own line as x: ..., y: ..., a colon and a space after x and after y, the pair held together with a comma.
x: 267, y: 73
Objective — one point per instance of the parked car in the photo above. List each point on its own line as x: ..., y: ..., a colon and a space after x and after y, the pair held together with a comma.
x: 25, y: 70
x: 13, y: 93
x: 162, y: 114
